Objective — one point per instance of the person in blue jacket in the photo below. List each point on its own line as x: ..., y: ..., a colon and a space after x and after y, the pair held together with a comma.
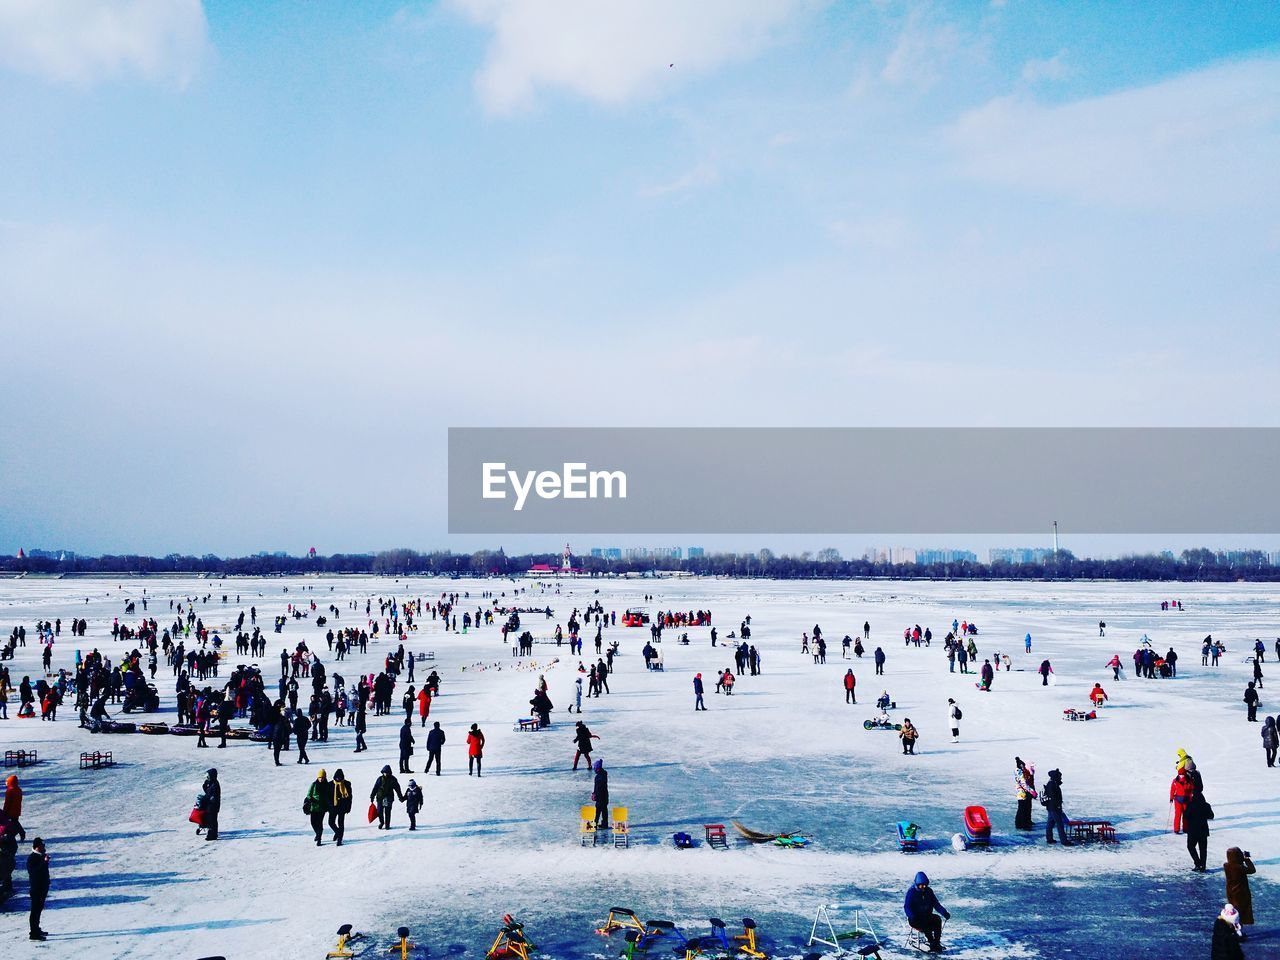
x: 922, y: 908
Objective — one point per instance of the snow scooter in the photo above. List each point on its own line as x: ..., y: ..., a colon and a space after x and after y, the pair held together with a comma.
x: 880, y: 723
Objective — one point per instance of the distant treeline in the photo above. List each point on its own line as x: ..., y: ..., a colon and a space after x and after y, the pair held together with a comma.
x: 1192, y: 565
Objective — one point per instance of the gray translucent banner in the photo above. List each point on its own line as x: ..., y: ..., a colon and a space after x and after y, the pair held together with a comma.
x: 863, y: 480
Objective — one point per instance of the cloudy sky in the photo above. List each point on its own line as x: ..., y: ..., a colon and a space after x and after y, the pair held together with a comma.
x: 255, y: 259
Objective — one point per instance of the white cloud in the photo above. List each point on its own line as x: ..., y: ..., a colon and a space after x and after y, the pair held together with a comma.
x: 84, y: 41
x: 922, y: 50
x: 1050, y: 68
x: 617, y: 51
x: 1197, y: 142
x: 702, y: 175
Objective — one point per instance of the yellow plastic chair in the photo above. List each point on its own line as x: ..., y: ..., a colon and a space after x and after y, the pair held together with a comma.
x: 587, y: 824
x: 621, y: 827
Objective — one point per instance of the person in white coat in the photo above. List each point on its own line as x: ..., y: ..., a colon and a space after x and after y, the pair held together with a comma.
x: 953, y: 719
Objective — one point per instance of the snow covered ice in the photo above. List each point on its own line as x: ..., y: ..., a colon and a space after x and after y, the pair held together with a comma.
x: 784, y: 753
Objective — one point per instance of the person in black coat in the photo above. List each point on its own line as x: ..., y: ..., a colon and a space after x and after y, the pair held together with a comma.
x: 582, y: 738
x: 300, y: 727
x: 38, y: 871
x: 212, y: 792
x: 879, y: 662
x: 406, y: 744
x: 279, y: 731
x: 1051, y: 797
x: 1251, y: 701
x: 361, y: 727
x: 1195, y: 823
x: 435, y: 743
x: 600, y: 795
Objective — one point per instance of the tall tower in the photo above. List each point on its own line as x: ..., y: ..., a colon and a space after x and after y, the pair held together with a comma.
x: 566, y: 562
x: 1055, y: 539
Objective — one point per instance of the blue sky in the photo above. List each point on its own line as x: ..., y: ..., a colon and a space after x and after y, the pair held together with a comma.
x: 256, y: 258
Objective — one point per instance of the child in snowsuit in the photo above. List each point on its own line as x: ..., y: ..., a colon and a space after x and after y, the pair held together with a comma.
x: 1179, y: 793
x: 413, y: 803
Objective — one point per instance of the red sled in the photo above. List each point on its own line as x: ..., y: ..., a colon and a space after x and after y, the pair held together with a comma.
x: 197, y: 816
x: 373, y: 812
x: 977, y: 826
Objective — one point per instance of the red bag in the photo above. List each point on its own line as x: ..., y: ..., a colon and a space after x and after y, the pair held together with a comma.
x: 373, y: 812
x: 197, y: 817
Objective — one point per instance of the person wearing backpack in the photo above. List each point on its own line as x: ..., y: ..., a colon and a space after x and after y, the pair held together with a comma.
x: 317, y: 803
x: 954, y: 714
x: 413, y: 803
x: 339, y: 807
x: 1051, y: 797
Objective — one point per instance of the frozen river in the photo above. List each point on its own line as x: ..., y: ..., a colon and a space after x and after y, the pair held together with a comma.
x: 784, y: 753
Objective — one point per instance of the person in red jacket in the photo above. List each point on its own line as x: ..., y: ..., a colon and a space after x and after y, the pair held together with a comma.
x: 850, y: 681
x: 475, y: 749
x: 1098, y: 695
x: 424, y: 704
x: 1179, y: 793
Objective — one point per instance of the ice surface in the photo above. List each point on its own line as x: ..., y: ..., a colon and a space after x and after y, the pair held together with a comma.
x: 783, y: 753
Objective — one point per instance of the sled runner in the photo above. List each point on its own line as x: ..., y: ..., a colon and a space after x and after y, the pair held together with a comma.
x: 184, y: 730
x: 908, y: 835
x: 1071, y: 713
x: 1083, y: 831
x: 96, y: 760
x: 915, y: 940
x: 977, y: 826
x: 153, y: 728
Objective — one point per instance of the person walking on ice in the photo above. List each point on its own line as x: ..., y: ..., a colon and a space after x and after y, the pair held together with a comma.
x: 582, y: 738
x: 435, y: 743
x: 475, y: 750
x: 317, y: 803
x: 386, y: 790
x: 953, y: 719
x: 850, y: 683
x: 697, y: 693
